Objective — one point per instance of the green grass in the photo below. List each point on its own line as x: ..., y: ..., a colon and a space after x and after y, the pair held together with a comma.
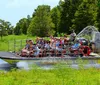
x: 11, y: 38
x: 60, y: 76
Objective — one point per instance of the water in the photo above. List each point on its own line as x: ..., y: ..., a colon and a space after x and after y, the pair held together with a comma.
x: 4, y: 65
x: 23, y: 65
x: 2, y: 61
x: 73, y: 64
x: 28, y: 64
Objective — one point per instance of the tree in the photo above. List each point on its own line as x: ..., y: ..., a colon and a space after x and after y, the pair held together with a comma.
x: 5, y: 26
x: 41, y: 24
x: 98, y: 15
x: 17, y: 29
x: 85, y: 15
x: 55, y: 15
x: 22, y: 25
x: 9, y: 27
x: 1, y: 28
x: 67, y: 9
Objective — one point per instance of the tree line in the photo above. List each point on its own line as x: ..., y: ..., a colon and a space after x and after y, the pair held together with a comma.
x: 66, y: 16
x: 5, y: 28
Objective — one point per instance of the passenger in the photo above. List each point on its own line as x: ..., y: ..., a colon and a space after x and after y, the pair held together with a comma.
x: 92, y: 46
x: 40, y: 43
x: 52, y: 46
x: 66, y: 41
x: 57, y: 43
x: 37, y: 39
x: 59, y: 50
x: 47, y: 45
x: 52, y: 43
x: 31, y: 48
x: 37, y: 51
x: 76, y: 45
x: 52, y: 40
x: 27, y: 45
x: 62, y: 42
x: 25, y: 50
x: 72, y: 36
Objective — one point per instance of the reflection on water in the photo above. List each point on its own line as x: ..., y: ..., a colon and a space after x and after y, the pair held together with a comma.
x: 2, y: 61
x: 28, y: 65
x: 23, y: 65
x: 50, y: 65
x: 4, y: 65
x: 73, y: 64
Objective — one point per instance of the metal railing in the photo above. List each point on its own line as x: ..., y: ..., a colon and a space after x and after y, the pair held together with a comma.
x: 16, y: 45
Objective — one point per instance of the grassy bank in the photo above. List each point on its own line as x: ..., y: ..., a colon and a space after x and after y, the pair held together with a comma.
x: 11, y: 38
x: 62, y: 76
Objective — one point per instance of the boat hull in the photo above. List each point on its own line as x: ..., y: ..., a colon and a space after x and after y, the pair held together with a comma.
x: 12, y: 58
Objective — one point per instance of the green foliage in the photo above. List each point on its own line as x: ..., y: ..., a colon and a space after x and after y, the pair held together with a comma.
x: 41, y: 24
x: 67, y: 9
x: 59, y: 76
x: 98, y: 15
x: 85, y: 15
x: 5, y: 28
x: 68, y: 15
x: 22, y: 26
x: 60, y: 34
x: 98, y: 3
x: 55, y: 15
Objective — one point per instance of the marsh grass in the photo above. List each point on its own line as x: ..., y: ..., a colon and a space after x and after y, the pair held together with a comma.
x: 60, y: 75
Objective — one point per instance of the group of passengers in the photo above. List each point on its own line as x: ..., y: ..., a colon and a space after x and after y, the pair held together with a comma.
x: 54, y: 46
x: 42, y: 47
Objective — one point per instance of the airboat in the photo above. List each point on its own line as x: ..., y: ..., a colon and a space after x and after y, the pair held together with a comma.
x: 14, y: 57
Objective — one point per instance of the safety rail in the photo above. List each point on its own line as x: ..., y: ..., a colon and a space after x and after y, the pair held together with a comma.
x: 16, y: 45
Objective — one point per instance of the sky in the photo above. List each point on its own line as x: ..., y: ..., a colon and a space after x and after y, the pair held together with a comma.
x: 14, y: 10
